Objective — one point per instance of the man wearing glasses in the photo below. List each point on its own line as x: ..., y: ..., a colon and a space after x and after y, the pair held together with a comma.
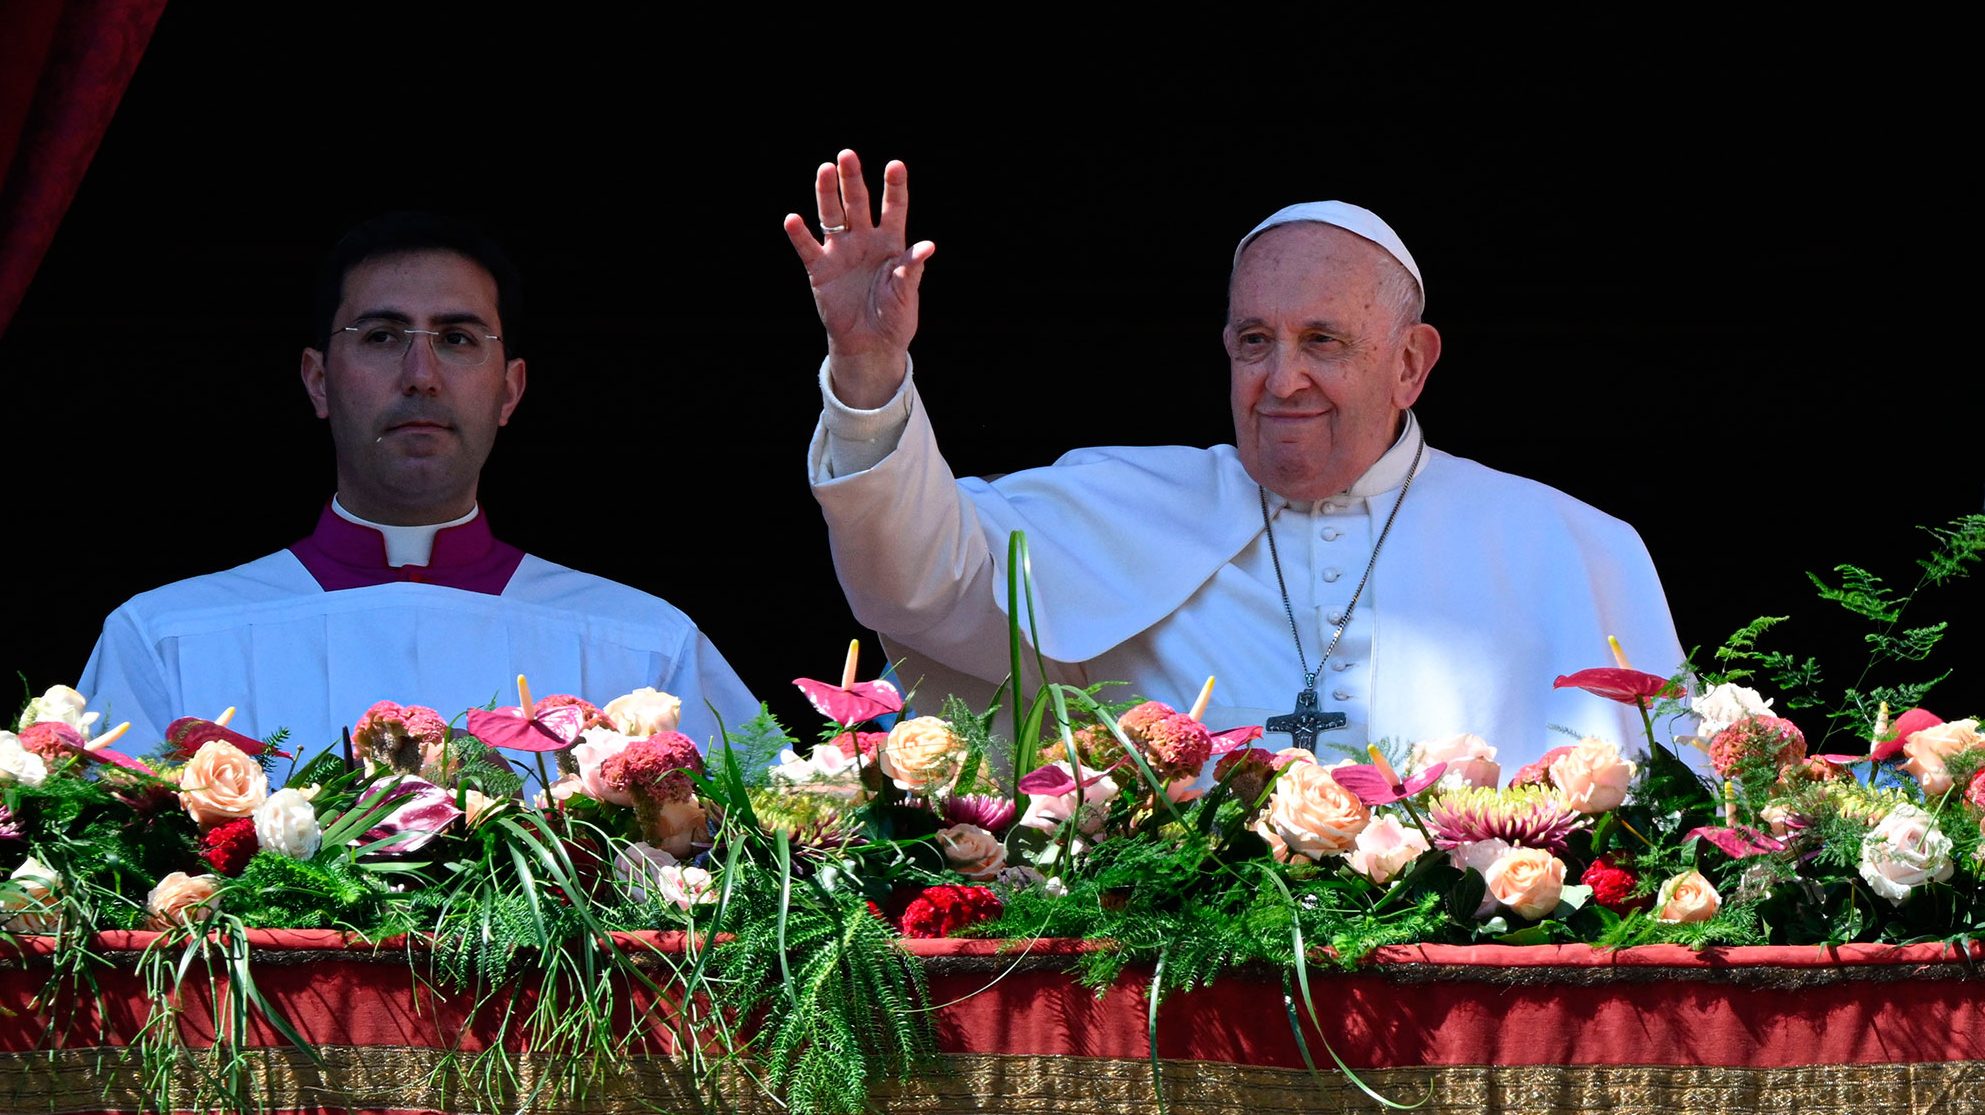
x: 401, y: 593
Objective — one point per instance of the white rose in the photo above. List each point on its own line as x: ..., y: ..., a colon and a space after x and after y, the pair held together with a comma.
x: 644, y: 712
x: 18, y: 764
x: 1726, y: 705
x: 1384, y: 848
x: 1903, y: 852
x: 686, y: 886
x: 639, y: 867
x: 36, y: 909
x: 62, y: 705
x: 1469, y: 758
x: 287, y: 823
x: 826, y: 771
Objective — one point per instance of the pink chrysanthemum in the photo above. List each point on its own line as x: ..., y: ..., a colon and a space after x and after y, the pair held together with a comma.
x: 52, y: 740
x: 406, y: 739
x: 655, y: 768
x: 594, y: 717
x: 10, y: 828
x: 1771, y: 738
x: 1539, y: 772
x: 1528, y: 816
x: 991, y: 813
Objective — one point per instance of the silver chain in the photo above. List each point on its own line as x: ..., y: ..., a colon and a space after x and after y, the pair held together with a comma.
x: 1309, y: 675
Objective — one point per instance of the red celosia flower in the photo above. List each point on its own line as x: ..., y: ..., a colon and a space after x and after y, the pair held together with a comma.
x: 1539, y: 772
x: 1247, y: 783
x: 407, y: 738
x: 229, y: 845
x: 655, y: 768
x: 1176, y: 746
x: 1629, y: 687
x: 1975, y: 793
x: 1612, y: 885
x: 594, y: 717
x: 1769, y: 738
x: 1136, y: 720
x: 943, y: 910
x: 868, y: 742
x: 52, y: 740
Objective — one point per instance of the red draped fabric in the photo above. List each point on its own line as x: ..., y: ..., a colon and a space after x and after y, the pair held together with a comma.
x: 64, y: 65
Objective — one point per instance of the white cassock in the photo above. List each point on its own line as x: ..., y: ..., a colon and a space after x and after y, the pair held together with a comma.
x: 1151, y: 567
x: 301, y: 640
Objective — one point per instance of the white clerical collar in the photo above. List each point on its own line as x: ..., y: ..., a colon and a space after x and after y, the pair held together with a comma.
x: 405, y: 545
x: 1386, y: 473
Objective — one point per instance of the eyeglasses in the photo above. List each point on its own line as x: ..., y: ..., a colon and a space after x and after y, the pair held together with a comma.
x: 386, y: 342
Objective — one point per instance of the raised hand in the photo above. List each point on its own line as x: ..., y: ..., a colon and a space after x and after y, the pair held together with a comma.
x: 864, y: 278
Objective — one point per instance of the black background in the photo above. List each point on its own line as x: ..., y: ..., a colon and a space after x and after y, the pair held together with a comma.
x: 1719, y: 289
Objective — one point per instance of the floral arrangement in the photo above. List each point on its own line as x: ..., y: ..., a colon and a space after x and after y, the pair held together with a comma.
x: 796, y: 869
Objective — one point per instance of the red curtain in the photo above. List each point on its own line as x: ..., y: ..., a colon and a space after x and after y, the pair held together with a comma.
x: 64, y: 65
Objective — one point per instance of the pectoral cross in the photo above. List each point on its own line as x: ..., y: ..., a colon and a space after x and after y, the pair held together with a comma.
x: 1304, y: 723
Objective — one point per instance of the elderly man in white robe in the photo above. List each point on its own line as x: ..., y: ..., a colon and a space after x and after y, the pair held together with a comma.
x: 1344, y: 580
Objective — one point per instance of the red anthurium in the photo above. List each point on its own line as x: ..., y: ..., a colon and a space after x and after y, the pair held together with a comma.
x: 1906, y: 725
x: 852, y: 703
x: 187, y: 733
x: 1739, y: 842
x: 1378, y: 785
x: 515, y: 728
x: 1053, y: 781
x: 1233, y: 739
x: 1629, y: 687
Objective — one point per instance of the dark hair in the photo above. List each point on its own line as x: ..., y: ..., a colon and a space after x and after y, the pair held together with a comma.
x: 411, y: 231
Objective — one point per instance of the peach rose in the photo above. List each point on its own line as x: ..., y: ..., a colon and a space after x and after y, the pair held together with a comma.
x: 1384, y: 848
x: 1927, y: 750
x: 1687, y: 897
x: 1527, y: 880
x: 676, y: 827
x: 1593, y: 776
x: 1311, y: 814
x: 1469, y: 758
x: 921, y: 755
x: 645, y: 712
x: 477, y: 806
x: 972, y: 851
x: 180, y: 899
x: 220, y: 783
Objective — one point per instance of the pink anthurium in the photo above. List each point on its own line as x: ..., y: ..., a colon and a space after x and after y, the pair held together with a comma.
x: 1377, y: 783
x: 1629, y: 687
x: 514, y: 727
x: 1053, y: 781
x: 1233, y: 739
x: 851, y: 702
x: 1737, y: 842
x: 1906, y: 725
x: 187, y: 733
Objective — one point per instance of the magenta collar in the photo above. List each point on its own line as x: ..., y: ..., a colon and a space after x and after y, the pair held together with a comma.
x: 341, y: 554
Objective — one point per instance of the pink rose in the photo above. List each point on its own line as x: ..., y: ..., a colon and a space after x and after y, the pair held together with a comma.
x: 972, y: 851
x: 219, y: 783
x: 180, y: 899
x: 1469, y: 758
x: 1384, y: 848
x: 1527, y: 880
x: 596, y: 746
x: 1593, y: 777
x: 921, y: 755
x: 1927, y: 749
x: 686, y: 886
x: 1311, y: 814
x: 1687, y: 897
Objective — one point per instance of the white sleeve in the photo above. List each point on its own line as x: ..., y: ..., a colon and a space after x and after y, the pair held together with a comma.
x: 909, y: 548
x: 125, y: 679
x: 857, y: 440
